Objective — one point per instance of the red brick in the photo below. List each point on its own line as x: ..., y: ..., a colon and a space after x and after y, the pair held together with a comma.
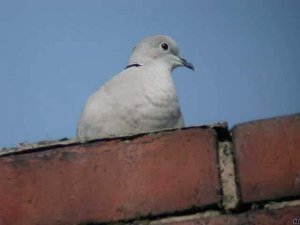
x: 268, y: 158
x: 105, y: 181
x: 283, y: 216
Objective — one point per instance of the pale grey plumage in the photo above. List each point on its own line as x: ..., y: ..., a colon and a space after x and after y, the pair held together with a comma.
x: 139, y: 99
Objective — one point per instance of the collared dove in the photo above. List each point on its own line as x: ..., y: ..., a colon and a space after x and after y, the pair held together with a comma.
x: 141, y: 98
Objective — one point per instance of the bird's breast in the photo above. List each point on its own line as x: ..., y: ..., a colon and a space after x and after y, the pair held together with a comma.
x: 161, y: 109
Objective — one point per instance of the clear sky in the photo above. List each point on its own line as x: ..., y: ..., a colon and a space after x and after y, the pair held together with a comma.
x: 54, y: 54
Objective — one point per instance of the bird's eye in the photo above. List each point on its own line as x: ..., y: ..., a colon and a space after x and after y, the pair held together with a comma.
x: 164, y: 46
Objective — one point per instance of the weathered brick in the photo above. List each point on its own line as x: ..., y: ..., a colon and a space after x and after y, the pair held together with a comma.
x: 113, y: 180
x: 268, y: 158
x: 283, y: 216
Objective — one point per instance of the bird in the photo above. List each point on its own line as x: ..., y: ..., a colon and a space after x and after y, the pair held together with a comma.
x: 141, y: 98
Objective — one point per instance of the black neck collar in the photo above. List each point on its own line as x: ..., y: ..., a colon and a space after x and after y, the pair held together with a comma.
x: 133, y: 65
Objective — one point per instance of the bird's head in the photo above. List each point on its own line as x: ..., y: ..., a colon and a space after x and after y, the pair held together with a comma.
x: 159, y: 47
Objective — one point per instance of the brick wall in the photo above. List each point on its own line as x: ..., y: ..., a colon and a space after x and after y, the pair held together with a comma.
x: 197, y: 175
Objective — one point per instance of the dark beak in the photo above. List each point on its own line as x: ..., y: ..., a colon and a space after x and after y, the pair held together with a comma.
x: 187, y: 64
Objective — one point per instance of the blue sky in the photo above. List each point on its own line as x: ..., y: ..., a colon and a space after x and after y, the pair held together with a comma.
x: 54, y: 54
